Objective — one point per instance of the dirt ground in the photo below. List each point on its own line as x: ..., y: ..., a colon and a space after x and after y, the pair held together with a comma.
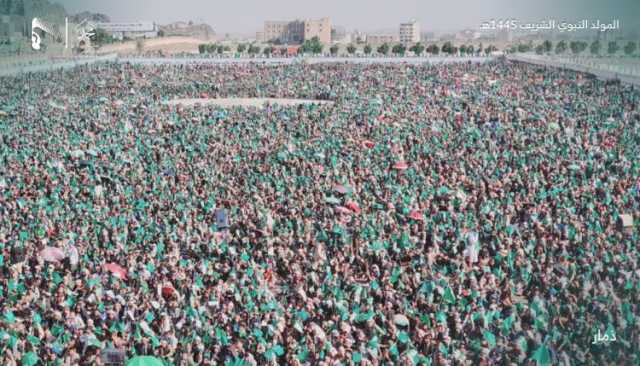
x: 167, y: 45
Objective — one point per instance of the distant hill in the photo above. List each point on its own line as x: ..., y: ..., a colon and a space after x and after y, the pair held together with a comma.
x: 188, y: 29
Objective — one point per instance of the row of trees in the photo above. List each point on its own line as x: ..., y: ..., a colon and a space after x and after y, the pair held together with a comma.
x: 577, y: 47
x: 314, y: 46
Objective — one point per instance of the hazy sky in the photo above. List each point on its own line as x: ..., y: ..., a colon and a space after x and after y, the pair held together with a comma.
x: 246, y: 16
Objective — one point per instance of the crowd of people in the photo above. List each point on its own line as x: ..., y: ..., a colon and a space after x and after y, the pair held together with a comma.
x: 458, y: 214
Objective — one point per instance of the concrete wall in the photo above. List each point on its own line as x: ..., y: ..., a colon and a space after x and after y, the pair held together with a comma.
x: 605, y: 69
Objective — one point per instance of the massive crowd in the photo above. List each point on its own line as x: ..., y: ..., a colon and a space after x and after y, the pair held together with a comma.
x: 458, y: 214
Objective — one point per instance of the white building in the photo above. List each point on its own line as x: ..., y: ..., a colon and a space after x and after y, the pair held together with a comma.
x: 130, y: 30
x: 410, y: 32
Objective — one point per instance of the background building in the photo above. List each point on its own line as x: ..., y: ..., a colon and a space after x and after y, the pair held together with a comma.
x: 275, y: 31
x: 410, y: 32
x: 320, y: 28
x: 130, y: 30
x: 297, y: 31
x: 376, y: 39
x: 188, y: 29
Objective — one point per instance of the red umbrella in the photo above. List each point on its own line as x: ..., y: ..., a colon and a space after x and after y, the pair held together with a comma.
x: 52, y: 254
x: 401, y: 165
x: 416, y: 215
x: 368, y: 144
x: 353, y: 206
x: 117, y: 270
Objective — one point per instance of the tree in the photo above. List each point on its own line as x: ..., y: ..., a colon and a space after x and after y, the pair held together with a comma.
x: 202, y: 48
x: 547, y: 46
x: 241, y: 47
x: 433, y: 49
x: 463, y: 49
x: 399, y: 49
x: 540, y: 49
x: 469, y: 49
x: 367, y: 49
x: 447, y: 47
x: 220, y: 49
x: 595, y: 47
x: 267, y: 50
x: 253, y: 49
x: 139, y: 45
x: 211, y: 48
x: 561, y: 47
x: 417, y: 48
x: 312, y: 45
x: 351, y: 49
x: 524, y: 47
x: 334, y: 49
x: 613, y: 48
x: 630, y: 48
x: 575, y: 47
x: 490, y: 48
x: 383, y: 49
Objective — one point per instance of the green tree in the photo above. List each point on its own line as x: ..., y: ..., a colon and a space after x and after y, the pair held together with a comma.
x: 561, y: 47
x: 522, y: 47
x: 334, y: 49
x: 630, y: 48
x: 241, y: 47
x: 312, y: 45
x: 490, y: 48
x: 417, y: 48
x: 540, y: 49
x: 202, y: 48
x: 575, y: 47
x: 383, y: 49
x: 547, y: 46
x: 447, y: 48
x: 367, y: 49
x: 220, y: 49
x: 595, y: 47
x: 613, y: 48
x: 253, y: 49
x: 433, y: 49
x: 351, y: 49
x: 399, y: 49
x: 267, y: 50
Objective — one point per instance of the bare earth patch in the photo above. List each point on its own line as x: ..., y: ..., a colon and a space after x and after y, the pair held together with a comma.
x: 244, y: 102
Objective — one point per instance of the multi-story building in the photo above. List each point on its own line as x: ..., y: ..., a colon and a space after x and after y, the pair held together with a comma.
x: 320, y: 28
x: 410, y: 32
x: 297, y: 31
x: 275, y: 30
x: 377, y: 39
